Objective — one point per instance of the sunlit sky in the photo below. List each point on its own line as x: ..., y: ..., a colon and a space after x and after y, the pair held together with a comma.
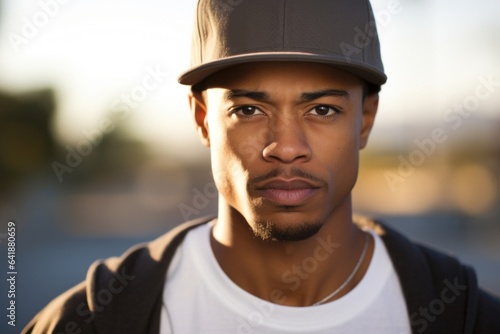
x: 92, y: 52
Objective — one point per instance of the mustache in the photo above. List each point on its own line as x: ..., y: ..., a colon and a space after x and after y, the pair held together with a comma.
x: 294, y: 172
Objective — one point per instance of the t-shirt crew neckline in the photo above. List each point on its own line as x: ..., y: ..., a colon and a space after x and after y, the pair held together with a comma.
x: 279, y: 316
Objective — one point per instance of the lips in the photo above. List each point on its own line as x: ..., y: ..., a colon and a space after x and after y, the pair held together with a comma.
x: 287, y: 192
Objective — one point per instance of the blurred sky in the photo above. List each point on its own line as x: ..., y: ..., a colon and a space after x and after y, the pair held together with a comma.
x: 94, y: 51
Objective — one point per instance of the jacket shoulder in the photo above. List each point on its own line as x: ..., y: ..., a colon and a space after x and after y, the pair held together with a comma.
x: 119, y: 295
x: 64, y: 314
x: 126, y: 292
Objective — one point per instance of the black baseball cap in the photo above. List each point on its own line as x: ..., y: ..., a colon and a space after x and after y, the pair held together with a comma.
x: 341, y: 33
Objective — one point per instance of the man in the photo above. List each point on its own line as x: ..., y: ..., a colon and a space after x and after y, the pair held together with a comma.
x: 284, y: 93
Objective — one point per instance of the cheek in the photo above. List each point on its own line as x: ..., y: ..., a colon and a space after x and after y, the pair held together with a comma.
x: 232, y: 152
x: 341, y: 157
x: 336, y: 142
x: 338, y: 153
x: 237, y: 144
x: 347, y: 163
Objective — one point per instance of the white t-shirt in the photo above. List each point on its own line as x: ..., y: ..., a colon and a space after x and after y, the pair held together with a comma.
x: 200, y: 298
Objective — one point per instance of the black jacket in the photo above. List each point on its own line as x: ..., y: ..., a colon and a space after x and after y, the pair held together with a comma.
x: 124, y: 295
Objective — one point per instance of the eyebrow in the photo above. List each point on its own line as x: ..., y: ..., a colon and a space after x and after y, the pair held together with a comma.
x: 311, y: 96
x: 304, y: 97
x: 235, y: 93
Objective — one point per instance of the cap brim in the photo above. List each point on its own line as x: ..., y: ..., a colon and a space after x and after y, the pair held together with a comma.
x: 197, y: 74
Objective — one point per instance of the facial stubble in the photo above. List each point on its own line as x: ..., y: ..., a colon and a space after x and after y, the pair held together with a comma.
x: 271, y: 231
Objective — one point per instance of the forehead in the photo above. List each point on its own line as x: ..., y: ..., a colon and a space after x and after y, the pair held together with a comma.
x: 283, y: 76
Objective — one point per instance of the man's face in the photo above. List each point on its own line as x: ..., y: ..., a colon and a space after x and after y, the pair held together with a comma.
x: 284, y: 140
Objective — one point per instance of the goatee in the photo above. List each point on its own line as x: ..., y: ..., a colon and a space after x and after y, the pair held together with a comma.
x: 270, y: 231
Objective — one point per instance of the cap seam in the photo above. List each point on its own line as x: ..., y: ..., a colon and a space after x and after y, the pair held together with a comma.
x: 283, y: 27
x: 289, y: 49
x: 365, y: 46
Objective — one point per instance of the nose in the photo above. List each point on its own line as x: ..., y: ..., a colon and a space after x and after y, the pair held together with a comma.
x: 287, y: 142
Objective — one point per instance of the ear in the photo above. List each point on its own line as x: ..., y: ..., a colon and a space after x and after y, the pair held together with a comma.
x: 370, y: 107
x: 199, y: 110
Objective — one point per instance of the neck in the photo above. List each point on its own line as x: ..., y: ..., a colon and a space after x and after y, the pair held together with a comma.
x: 294, y: 273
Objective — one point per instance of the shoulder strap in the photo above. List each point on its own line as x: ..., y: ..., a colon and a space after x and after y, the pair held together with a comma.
x: 472, y: 301
x: 439, y: 291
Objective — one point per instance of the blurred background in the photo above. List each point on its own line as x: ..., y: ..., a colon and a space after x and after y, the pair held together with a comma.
x: 98, y: 151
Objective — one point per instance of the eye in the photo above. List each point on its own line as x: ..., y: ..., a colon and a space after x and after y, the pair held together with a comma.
x: 247, y: 111
x: 324, y: 110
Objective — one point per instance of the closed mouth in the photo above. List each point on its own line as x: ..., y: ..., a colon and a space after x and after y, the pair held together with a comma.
x: 287, y: 192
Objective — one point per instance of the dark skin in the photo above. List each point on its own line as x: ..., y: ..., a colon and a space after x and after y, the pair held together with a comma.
x: 284, y: 140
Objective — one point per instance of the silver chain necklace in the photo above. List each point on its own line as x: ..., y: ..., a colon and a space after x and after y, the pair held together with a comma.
x: 353, y: 273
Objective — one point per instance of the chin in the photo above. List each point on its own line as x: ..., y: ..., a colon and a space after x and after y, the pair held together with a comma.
x: 285, y: 228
